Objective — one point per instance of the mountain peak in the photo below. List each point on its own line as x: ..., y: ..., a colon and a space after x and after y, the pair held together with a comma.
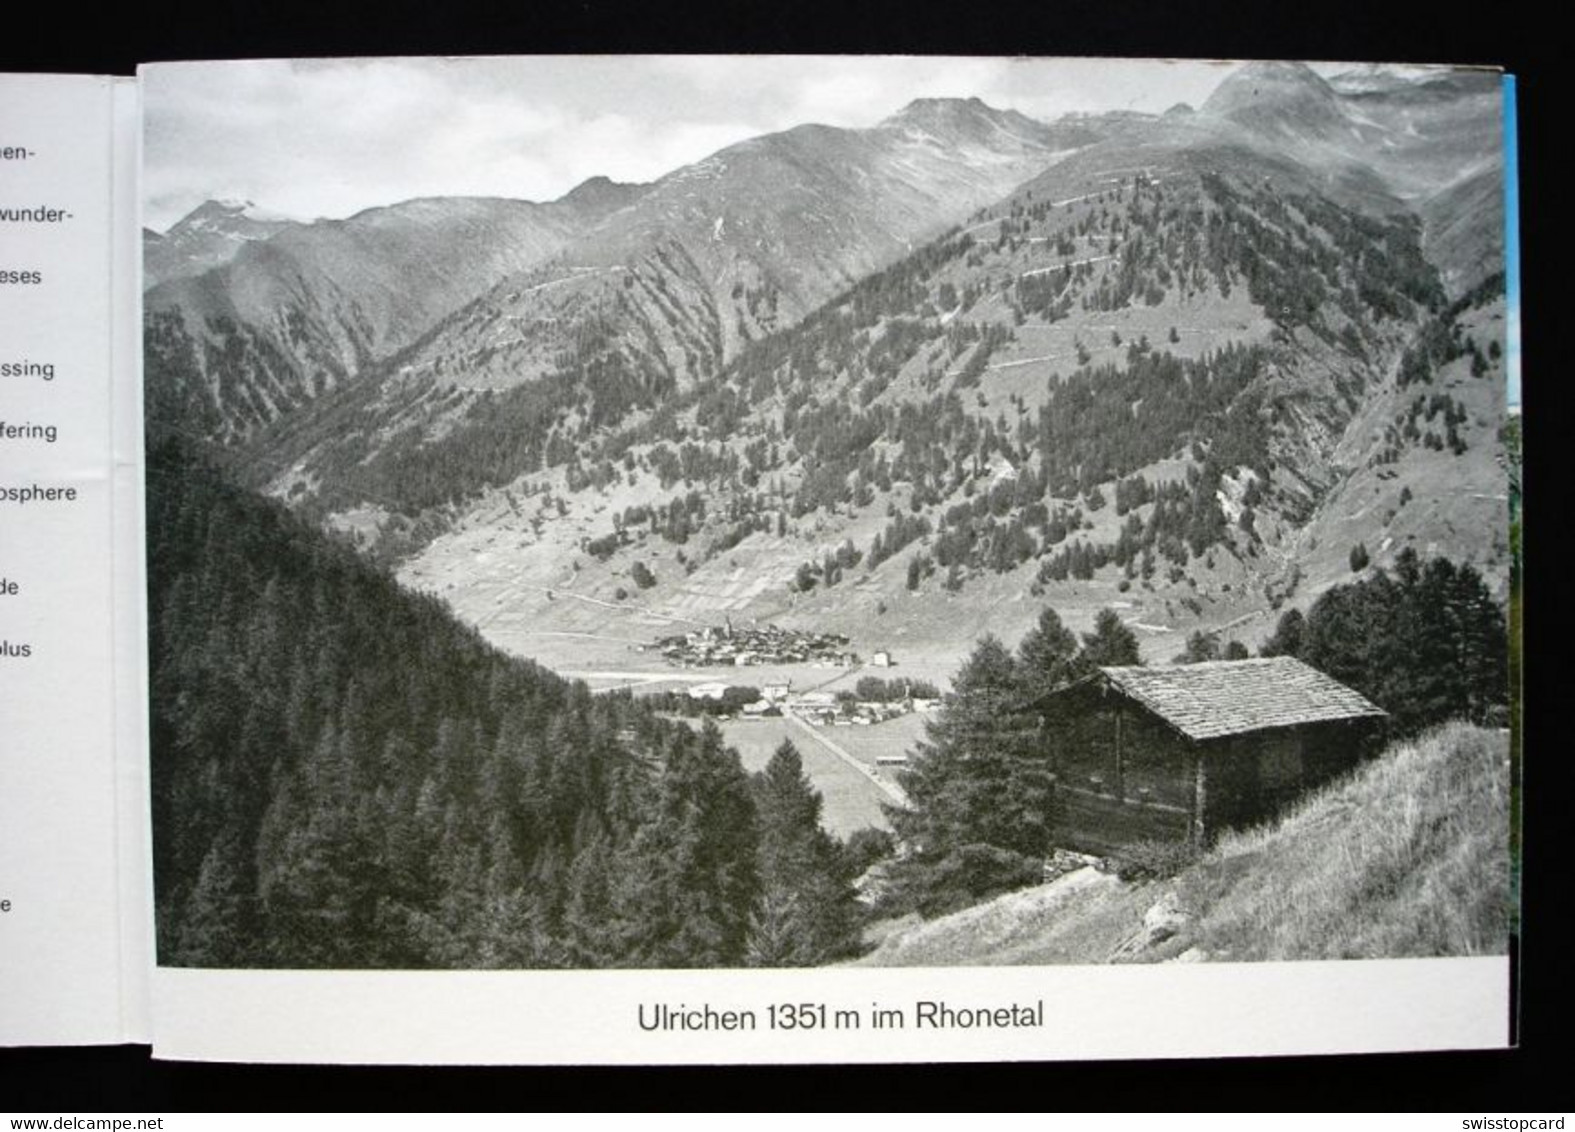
x: 942, y: 104
x: 597, y: 188
x: 947, y: 115
x: 227, y: 212
x: 1368, y: 78
x: 601, y: 195
x: 967, y: 121
x: 1287, y: 104
x: 1273, y: 71
x: 599, y: 183
x: 210, y: 210
x: 209, y: 235
x: 1262, y: 84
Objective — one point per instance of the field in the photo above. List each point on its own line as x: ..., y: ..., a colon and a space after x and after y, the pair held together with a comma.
x: 852, y: 799
x: 894, y: 737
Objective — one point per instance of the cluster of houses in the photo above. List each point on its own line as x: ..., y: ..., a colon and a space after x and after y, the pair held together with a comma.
x: 713, y: 647
x: 826, y: 709
x: 819, y: 708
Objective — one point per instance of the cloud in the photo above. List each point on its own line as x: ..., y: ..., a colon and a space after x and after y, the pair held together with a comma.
x: 331, y: 137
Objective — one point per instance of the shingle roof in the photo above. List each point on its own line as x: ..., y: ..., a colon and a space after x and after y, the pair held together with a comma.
x: 1231, y: 697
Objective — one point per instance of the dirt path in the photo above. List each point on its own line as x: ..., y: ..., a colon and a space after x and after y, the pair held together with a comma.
x: 1053, y: 204
x: 1064, y: 266
x: 890, y: 789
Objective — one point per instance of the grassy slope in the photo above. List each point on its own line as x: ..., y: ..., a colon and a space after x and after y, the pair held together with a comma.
x: 1408, y: 857
x: 851, y: 801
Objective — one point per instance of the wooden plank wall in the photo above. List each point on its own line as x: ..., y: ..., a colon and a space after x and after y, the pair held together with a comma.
x: 1095, y: 823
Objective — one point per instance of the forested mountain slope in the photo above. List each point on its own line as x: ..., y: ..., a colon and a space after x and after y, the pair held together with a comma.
x: 345, y: 777
x: 673, y: 275
x: 1173, y: 377
x: 288, y: 317
x: 1195, y: 364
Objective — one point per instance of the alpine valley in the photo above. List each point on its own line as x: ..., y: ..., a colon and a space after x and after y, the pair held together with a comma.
x: 906, y: 385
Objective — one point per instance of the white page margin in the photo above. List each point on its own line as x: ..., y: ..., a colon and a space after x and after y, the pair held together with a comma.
x: 585, y: 1017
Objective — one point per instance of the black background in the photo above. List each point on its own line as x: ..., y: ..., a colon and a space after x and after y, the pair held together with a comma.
x: 72, y: 38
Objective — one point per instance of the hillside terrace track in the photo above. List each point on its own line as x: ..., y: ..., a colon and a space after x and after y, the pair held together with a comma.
x: 1063, y: 266
x: 993, y: 366
x: 1250, y: 615
x: 1053, y: 204
x: 579, y: 273
x: 1029, y: 361
x: 1019, y: 362
x: 1062, y: 328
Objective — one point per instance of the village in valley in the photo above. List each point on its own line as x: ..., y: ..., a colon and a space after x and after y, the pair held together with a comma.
x: 759, y: 644
x: 872, y: 700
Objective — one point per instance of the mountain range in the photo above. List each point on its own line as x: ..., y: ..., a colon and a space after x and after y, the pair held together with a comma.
x: 909, y: 382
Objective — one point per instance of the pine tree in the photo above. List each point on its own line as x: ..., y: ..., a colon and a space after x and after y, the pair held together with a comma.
x: 588, y: 911
x: 807, y: 913
x: 1426, y: 644
x: 213, y: 925
x: 1201, y: 647
x: 1111, y: 644
x: 1289, y: 635
x: 978, y: 792
x: 316, y: 883
x: 512, y: 919
x: 1047, y: 656
x: 685, y: 885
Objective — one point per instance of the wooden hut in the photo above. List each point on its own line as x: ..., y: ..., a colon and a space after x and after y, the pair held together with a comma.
x: 1181, y: 751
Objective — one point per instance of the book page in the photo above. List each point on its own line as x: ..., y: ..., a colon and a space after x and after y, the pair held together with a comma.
x: 707, y: 560
x: 74, y: 887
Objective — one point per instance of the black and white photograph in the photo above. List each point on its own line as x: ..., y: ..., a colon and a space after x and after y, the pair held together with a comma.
x: 670, y: 512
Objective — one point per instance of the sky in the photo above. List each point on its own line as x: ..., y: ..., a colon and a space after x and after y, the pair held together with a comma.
x: 327, y: 138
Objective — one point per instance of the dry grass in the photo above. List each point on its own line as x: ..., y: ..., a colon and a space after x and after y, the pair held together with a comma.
x: 1410, y: 857
x: 1406, y: 858
x: 1026, y: 927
